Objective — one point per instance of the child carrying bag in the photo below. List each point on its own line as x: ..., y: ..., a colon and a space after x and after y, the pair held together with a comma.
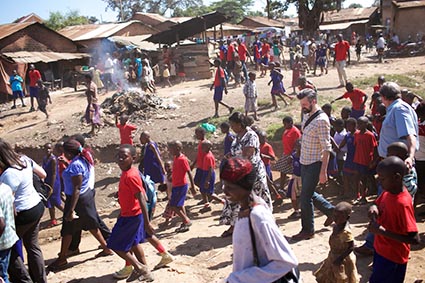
x: 292, y: 276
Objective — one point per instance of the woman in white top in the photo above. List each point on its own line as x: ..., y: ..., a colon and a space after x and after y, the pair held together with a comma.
x: 17, y: 172
x: 274, y: 255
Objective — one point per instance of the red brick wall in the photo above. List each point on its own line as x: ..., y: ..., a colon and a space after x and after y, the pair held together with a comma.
x: 36, y: 38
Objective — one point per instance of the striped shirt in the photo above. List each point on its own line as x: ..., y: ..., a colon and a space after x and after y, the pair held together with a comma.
x: 315, y: 139
x: 9, y: 237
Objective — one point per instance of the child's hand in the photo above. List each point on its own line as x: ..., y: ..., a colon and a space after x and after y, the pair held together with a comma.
x: 374, y: 227
x: 149, y: 229
x: 373, y: 213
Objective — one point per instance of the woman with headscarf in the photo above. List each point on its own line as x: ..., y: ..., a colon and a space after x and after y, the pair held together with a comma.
x: 260, y: 252
x: 80, y: 209
x: 17, y: 172
x: 245, y: 145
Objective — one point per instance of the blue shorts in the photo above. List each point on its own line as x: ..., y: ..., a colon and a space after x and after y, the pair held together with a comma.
x: 178, y: 196
x: 18, y: 94
x: 356, y: 114
x: 210, y: 189
x: 198, y: 177
x: 128, y: 232
x: 269, y: 171
x: 33, y: 91
x: 265, y: 61
x: 385, y: 270
x: 218, y: 93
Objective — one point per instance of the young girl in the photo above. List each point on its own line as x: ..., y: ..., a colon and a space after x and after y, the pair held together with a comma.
x: 297, y: 66
x: 250, y: 92
x: 277, y: 89
x: 340, y: 266
x: 200, y: 136
x: 151, y: 164
x: 168, y: 212
x: 51, y: 166
x: 349, y: 168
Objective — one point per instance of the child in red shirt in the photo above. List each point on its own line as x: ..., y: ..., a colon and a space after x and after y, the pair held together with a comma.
x: 125, y: 129
x: 267, y: 153
x: 178, y: 192
x: 200, y: 136
x: 208, y: 176
x: 219, y: 85
x: 364, y: 157
x: 393, y: 222
x: 358, y: 100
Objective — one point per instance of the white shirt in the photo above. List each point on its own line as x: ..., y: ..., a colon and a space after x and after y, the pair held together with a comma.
x: 109, y: 66
x: 380, y: 43
x: 20, y: 181
x: 274, y: 253
x: 306, y: 48
x: 396, y: 39
x: 338, y: 138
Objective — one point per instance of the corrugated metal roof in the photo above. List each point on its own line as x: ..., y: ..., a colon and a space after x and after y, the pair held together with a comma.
x: 138, y: 41
x: 9, y: 29
x: 45, y: 57
x: 264, y: 21
x: 341, y: 26
x: 84, y: 32
x: 349, y: 14
x: 409, y: 4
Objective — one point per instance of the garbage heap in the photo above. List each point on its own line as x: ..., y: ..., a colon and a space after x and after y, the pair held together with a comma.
x: 137, y: 104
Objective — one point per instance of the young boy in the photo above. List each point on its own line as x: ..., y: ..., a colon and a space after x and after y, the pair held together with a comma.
x: 43, y: 97
x: 16, y: 82
x: 341, y: 153
x: 345, y: 113
x: 208, y: 176
x: 358, y: 100
x: 219, y: 85
x: 200, y: 136
x: 393, y: 222
x: 251, y: 94
x: 267, y: 153
x: 132, y: 226
x: 178, y: 192
x: 8, y: 235
x: 294, y: 185
x: 228, y: 139
x: 364, y: 157
x: 126, y: 129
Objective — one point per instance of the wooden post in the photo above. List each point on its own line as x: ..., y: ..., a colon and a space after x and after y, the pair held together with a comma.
x: 215, y: 38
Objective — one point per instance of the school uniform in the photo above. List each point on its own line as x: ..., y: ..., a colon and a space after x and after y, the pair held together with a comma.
x: 207, y: 164
x: 179, y: 182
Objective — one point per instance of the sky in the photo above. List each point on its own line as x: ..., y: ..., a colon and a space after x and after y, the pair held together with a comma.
x: 14, y: 9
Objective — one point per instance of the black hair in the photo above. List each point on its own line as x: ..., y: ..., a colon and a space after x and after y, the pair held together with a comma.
x: 200, y: 130
x: 346, y: 109
x: 339, y: 122
x: 327, y: 106
x: 392, y: 165
x: 130, y: 148
x: 351, y: 120
x: 88, y: 76
x: 288, y: 119
x: 225, y: 125
x: 400, y: 149
x: 344, y: 207
x: 238, y: 117
x: 79, y: 138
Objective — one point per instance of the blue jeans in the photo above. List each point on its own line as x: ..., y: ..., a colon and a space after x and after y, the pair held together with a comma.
x: 4, y: 264
x: 384, y: 270
x: 309, y: 180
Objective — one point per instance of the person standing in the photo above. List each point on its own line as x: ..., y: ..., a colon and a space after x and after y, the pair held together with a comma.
x: 315, y: 150
x: 342, y: 52
x: 17, y: 90
x: 34, y: 76
x: 108, y: 72
x: 243, y: 52
x: 93, y: 108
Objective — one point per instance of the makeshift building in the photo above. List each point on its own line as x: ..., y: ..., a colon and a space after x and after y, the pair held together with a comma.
x: 257, y: 22
x: 31, y: 42
x: 346, y: 21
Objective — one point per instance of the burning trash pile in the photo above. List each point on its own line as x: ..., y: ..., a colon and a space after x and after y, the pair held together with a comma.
x: 134, y: 103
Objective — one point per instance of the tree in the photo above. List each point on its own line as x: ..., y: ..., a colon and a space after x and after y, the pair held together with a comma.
x: 234, y: 10
x: 309, y: 11
x: 355, y: 5
x: 256, y: 14
x: 58, y: 20
x: 127, y: 8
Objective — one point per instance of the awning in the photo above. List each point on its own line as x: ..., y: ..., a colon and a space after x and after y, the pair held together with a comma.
x: 137, y: 41
x: 45, y: 57
x: 341, y: 26
x: 188, y: 28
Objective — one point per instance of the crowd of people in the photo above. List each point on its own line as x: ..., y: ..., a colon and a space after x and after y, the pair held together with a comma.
x: 388, y: 141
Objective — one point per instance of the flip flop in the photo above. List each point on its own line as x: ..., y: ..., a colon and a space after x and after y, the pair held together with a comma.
x: 103, y: 254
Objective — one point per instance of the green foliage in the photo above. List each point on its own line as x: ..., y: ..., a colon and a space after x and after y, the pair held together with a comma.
x: 58, y: 20
x: 355, y: 5
x: 127, y: 8
x: 256, y: 14
x: 274, y: 132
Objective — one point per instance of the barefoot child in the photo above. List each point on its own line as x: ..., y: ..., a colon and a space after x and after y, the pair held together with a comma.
x: 277, y: 88
x: 340, y: 266
x: 393, y: 222
x: 125, y: 128
x: 43, y: 97
x: 178, y: 193
x: 219, y: 85
x: 208, y: 176
x: 251, y: 94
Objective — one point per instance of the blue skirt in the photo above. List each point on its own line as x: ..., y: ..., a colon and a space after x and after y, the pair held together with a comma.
x: 128, y: 232
x: 210, y: 189
x: 178, y: 196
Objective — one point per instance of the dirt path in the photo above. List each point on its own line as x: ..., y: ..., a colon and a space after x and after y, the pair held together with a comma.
x: 201, y: 255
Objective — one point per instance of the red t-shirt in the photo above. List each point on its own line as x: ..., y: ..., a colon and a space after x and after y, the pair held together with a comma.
x: 200, y: 155
x: 395, y: 215
x: 341, y: 49
x: 289, y: 137
x: 267, y: 149
x: 222, y: 55
x: 208, y: 161
x: 130, y: 185
x: 265, y: 50
x: 180, y: 168
x: 34, y: 77
x: 125, y: 133
x: 242, y: 51
x: 357, y: 98
x: 376, y: 88
x: 230, y: 51
x: 365, y: 144
x: 219, y: 75
x: 307, y: 85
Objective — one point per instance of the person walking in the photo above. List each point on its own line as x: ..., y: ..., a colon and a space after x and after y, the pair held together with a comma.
x: 342, y: 52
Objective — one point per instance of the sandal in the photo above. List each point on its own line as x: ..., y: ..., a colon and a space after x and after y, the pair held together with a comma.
x: 103, y: 254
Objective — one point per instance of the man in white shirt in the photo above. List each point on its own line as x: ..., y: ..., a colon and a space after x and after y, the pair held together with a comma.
x: 380, y: 43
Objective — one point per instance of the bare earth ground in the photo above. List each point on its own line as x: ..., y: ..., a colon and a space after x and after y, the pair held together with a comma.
x: 201, y: 254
